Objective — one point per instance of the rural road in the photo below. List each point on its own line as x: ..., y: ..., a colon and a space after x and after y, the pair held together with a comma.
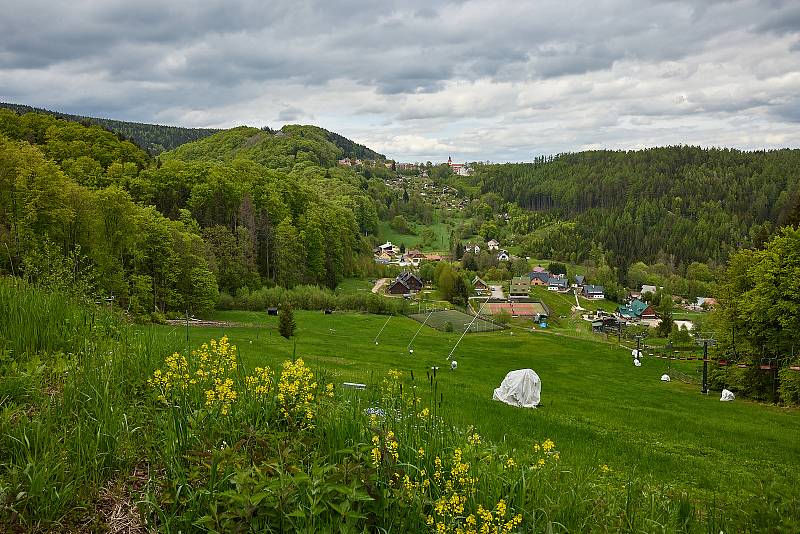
x: 379, y: 284
x: 497, y: 292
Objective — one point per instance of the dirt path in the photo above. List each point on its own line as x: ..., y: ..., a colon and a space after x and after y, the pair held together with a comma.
x: 379, y: 284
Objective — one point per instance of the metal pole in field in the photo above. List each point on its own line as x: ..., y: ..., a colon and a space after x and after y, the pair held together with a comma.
x: 417, y: 332
x: 381, y: 330
x: 467, y: 329
x: 705, y: 367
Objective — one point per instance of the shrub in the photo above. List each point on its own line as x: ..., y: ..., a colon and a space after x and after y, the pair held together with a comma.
x: 789, y: 386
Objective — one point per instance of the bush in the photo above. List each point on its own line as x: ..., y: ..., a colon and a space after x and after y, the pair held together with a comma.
x: 789, y: 386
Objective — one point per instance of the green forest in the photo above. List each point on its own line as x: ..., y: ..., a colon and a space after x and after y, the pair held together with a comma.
x: 677, y: 204
x: 83, y: 210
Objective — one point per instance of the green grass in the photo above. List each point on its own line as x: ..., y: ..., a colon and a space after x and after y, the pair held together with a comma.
x: 442, y: 226
x: 596, y: 405
x: 457, y: 319
x: 352, y: 286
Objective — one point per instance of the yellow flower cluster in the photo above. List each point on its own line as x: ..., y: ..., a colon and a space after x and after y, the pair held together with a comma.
x: 175, y: 377
x: 474, y: 439
x: 296, y: 393
x: 483, y: 521
x: 547, y: 451
x: 222, y: 395
x: 389, y: 449
x: 260, y: 383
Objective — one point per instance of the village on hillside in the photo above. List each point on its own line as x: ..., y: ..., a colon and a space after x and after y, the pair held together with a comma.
x: 525, y: 297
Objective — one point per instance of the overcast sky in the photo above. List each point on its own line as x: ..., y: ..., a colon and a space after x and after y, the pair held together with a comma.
x: 421, y: 80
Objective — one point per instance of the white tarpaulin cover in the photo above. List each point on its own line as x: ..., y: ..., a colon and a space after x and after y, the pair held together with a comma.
x: 521, y: 388
x: 727, y: 396
x: 665, y: 377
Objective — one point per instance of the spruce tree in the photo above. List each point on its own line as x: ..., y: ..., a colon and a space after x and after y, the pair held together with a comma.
x: 286, y: 324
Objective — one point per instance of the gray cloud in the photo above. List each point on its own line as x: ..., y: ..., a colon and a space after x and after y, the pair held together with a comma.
x: 485, y: 78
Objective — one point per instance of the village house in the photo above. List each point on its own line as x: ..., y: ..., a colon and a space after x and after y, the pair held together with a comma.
x: 557, y: 284
x: 539, y: 278
x: 636, y: 310
x: 405, y: 283
x: 493, y: 245
x: 480, y: 286
x: 594, y: 292
x: 503, y: 256
x: 472, y: 247
x: 579, y: 280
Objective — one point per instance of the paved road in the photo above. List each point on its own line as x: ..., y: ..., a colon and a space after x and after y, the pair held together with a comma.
x: 497, y: 292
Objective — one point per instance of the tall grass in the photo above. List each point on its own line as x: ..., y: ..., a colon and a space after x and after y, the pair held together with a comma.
x: 71, y: 409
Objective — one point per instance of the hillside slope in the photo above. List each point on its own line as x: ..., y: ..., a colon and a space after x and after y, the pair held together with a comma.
x: 677, y: 203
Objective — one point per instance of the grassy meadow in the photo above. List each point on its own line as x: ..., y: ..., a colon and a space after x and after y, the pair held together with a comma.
x: 107, y: 426
x: 597, y: 406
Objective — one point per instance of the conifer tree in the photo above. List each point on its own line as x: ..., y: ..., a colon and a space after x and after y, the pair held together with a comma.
x: 286, y: 324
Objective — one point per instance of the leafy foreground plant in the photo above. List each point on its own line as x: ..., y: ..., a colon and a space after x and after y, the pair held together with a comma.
x: 264, y: 452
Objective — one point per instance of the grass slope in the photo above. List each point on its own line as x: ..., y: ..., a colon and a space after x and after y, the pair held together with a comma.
x: 598, y: 407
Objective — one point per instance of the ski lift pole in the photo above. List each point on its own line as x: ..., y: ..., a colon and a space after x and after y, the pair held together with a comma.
x: 381, y: 330
x: 467, y: 329
x: 705, y: 367
x: 418, y: 330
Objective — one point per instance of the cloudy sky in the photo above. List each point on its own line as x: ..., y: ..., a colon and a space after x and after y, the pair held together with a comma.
x: 421, y: 80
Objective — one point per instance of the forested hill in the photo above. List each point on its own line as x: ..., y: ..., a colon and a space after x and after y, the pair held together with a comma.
x: 679, y: 203
x: 154, y: 138
x: 82, y: 210
x: 281, y: 149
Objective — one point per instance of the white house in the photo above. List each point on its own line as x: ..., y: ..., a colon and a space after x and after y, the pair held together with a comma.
x: 503, y: 256
x: 594, y: 292
x: 471, y: 247
x: 493, y: 244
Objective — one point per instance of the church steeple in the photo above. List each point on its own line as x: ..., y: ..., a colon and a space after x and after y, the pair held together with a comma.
x: 449, y: 161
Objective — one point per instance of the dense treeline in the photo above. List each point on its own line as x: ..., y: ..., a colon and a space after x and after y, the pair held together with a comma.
x: 684, y: 203
x: 167, y: 235
x: 154, y: 138
x: 759, y: 320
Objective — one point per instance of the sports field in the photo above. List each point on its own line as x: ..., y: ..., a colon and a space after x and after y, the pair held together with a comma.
x: 457, y: 320
x: 596, y: 405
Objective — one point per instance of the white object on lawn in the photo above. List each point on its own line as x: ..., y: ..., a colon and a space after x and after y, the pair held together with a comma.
x: 636, y: 353
x: 521, y: 388
x: 727, y: 395
x: 636, y: 362
x: 665, y: 377
x: 453, y: 365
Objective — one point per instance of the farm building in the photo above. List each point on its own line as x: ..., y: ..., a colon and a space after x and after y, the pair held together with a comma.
x: 579, y: 280
x: 520, y: 286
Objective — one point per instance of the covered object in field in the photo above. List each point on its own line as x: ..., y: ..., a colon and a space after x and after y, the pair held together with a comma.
x: 521, y: 388
x: 727, y: 396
